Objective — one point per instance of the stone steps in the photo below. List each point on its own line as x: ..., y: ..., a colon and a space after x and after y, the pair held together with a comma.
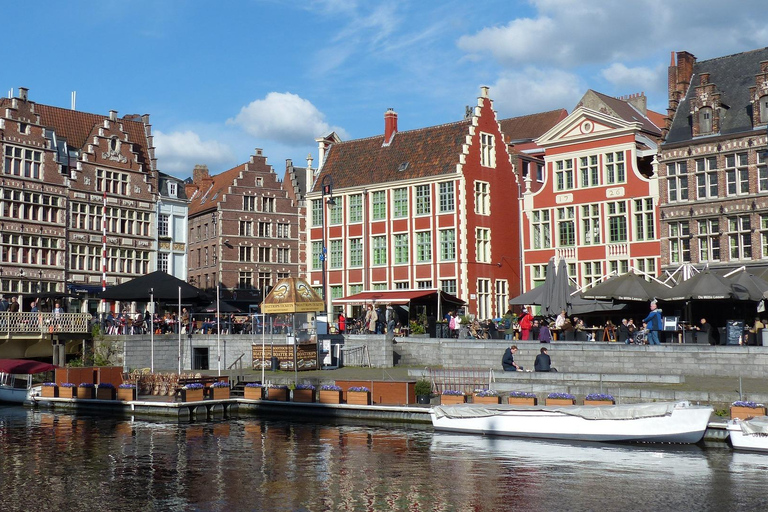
x: 555, y: 378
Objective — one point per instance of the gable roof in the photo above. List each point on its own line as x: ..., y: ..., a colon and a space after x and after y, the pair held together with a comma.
x: 623, y: 110
x: 732, y: 75
x: 211, y: 190
x: 531, y: 126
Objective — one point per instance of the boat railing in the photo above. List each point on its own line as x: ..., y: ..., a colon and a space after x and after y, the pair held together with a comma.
x: 44, y: 323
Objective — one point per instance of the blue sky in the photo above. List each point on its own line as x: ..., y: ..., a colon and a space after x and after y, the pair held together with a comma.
x: 222, y: 78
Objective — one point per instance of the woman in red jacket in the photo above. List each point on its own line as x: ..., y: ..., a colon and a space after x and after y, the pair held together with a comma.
x: 526, y: 322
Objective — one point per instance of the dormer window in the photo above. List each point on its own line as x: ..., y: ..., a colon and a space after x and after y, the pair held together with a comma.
x: 172, y: 190
x: 705, y: 120
x: 764, y: 109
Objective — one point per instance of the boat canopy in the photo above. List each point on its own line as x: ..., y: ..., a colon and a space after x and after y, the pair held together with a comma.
x: 757, y: 425
x: 616, y: 412
x: 24, y: 366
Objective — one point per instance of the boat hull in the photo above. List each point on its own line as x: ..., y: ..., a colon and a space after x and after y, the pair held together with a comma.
x: 684, y: 424
x: 15, y: 395
x: 748, y: 442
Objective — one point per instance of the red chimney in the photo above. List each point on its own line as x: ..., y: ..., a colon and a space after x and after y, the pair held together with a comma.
x: 390, y: 126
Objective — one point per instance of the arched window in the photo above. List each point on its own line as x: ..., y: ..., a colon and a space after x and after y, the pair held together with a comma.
x: 705, y: 120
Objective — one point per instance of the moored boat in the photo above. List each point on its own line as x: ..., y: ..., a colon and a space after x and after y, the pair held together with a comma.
x: 16, y: 379
x: 751, y: 434
x: 678, y: 422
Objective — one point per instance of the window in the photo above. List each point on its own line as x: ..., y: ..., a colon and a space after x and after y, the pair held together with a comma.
x: 647, y: 265
x: 379, y: 250
x: 483, y: 298
x: 249, y: 203
x: 538, y: 275
x: 590, y: 222
x: 335, y: 214
x: 111, y: 181
x: 487, y: 150
x: 23, y: 162
x: 540, y: 173
x: 566, y: 226
x: 162, y: 225
x: 564, y: 175
x: 542, y: 231
x: 337, y: 254
x: 502, y: 296
x: 424, y: 284
x: 590, y: 177
x: 705, y: 120
x: 336, y: 291
x: 448, y: 286
x: 317, y: 212
x: 762, y: 172
x: 593, y: 271
x: 268, y: 204
x: 265, y: 281
x: 283, y: 230
x: 423, y: 200
x: 172, y: 189
x: 482, y: 198
x: 162, y: 262
x: 245, y: 279
x: 677, y: 181
x: 709, y: 240
x: 379, y: 205
x: 423, y: 246
x: 447, y: 197
x: 355, y: 288
x: 447, y: 244
x: 736, y: 174
x: 265, y: 229
x: 614, y: 168
x: 619, y: 266
x: 246, y: 254
x: 283, y: 255
x: 483, y: 245
x: 740, y: 237
x: 379, y: 286
x: 679, y: 242
x: 401, y: 249
x: 645, y: 226
x: 400, y: 203
x: 355, y: 252
x: 401, y: 285
x: 763, y: 109
x: 356, y: 208
x: 764, y: 235
x: 706, y: 177
x: 246, y: 228
x: 617, y: 222
x: 265, y: 254
x: 317, y: 255
x: 259, y: 181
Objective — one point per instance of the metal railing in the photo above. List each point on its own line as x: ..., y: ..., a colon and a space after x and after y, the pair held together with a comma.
x: 44, y: 323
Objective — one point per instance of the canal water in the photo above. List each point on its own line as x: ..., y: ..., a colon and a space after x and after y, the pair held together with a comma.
x: 54, y: 461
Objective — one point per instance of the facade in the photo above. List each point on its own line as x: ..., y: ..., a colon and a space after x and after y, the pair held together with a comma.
x: 243, y: 231
x: 172, y: 226
x: 432, y: 208
x: 65, y: 172
x: 595, y: 202
x: 713, y: 163
x: 297, y: 182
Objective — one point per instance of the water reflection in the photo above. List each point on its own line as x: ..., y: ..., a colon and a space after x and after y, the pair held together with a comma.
x: 87, y: 463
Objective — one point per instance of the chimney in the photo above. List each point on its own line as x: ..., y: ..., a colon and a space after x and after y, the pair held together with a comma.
x: 23, y: 93
x: 484, y: 91
x: 113, y: 115
x: 199, y: 173
x: 639, y: 101
x: 310, y: 175
x: 390, y: 126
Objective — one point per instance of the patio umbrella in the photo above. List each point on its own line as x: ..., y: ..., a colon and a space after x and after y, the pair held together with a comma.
x: 224, y: 307
x: 625, y: 287
x: 706, y: 285
x: 163, y: 286
x: 532, y: 297
x: 752, y: 285
x: 558, y: 291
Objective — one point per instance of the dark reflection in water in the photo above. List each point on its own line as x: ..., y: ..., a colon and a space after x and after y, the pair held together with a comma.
x: 64, y: 462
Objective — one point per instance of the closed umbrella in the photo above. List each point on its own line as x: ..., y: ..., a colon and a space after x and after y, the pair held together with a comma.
x: 558, y: 293
x: 626, y: 287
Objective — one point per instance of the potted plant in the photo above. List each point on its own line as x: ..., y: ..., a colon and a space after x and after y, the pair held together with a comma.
x: 49, y: 390
x: 486, y: 396
x: 452, y: 397
x: 105, y: 391
x: 522, y: 398
x: 220, y: 390
x: 743, y: 410
x: 86, y: 390
x: 253, y: 391
x: 599, y: 399
x: 67, y: 390
x: 359, y: 395
x: 304, y: 393
x: 126, y: 391
x: 423, y: 390
x: 192, y: 392
x: 277, y: 392
x: 561, y: 399
x: 330, y: 394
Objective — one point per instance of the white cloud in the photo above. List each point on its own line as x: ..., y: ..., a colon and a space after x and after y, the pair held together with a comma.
x: 285, y: 118
x: 640, y: 78
x: 535, y: 90
x: 178, y: 152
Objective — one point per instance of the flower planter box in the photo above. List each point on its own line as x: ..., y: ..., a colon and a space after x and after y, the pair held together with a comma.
x: 105, y: 393
x: 359, y: 397
x: 453, y: 399
x: 219, y: 393
x: 486, y: 399
x: 561, y: 401
x: 85, y: 393
x: 330, y: 396
x: 520, y: 400
x: 49, y: 391
x: 192, y: 395
x: 277, y: 394
x: 599, y: 402
x: 253, y: 393
x: 68, y: 392
x: 743, y: 413
x: 304, y: 395
x: 126, y: 394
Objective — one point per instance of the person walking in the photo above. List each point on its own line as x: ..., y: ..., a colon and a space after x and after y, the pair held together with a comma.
x: 654, y: 322
x: 370, y: 320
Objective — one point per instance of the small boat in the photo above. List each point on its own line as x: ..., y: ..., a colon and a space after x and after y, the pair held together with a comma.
x: 675, y: 422
x: 751, y: 434
x: 16, y: 379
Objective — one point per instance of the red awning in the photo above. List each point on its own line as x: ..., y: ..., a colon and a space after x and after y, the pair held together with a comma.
x: 24, y: 366
x: 395, y: 297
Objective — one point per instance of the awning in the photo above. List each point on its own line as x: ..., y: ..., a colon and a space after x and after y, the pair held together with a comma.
x: 397, y: 297
x: 21, y: 366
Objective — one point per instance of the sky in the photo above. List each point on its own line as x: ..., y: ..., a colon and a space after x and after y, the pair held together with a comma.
x: 220, y: 79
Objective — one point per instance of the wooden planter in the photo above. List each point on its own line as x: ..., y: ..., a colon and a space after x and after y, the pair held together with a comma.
x: 519, y: 400
x: 453, y: 399
x: 105, y: 393
x: 192, y: 395
x: 252, y: 393
x: 304, y: 395
x: 49, y: 391
x: 330, y: 396
x: 126, y: 394
x: 744, y: 413
x: 359, y: 397
x: 494, y: 400
x: 599, y: 402
x: 219, y: 393
x: 277, y: 394
x: 561, y: 401
x: 85, y: 393
x: 67, y: 392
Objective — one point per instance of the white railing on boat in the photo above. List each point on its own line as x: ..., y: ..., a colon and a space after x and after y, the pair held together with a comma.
x: 44, y: 323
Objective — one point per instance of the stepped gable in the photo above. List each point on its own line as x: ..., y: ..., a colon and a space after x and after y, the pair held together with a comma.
x: 211, y: 190
x: 531, y: 126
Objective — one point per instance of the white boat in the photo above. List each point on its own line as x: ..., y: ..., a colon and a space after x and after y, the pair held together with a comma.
x: 16, y: 379
x: 751, y: 434
x: 678, y: 422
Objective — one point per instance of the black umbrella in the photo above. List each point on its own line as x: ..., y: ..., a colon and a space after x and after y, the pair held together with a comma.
x: 706, y: 285
x: 530, y: 297
x: 224, y: 307
x: 163, y: 287
x: 626, y: 287
x: 558, y: 291
x: 749, y: 283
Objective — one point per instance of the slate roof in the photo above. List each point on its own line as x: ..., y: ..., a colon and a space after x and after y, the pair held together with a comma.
x: 164, y: 179
x: 628, y: 112
x: 212, y: 189
x: 733, y: 75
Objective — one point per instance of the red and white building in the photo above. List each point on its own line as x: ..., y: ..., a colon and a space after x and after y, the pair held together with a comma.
x: 596, y: 202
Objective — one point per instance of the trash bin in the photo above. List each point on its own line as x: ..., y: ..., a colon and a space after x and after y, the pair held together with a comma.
x: 275, y: 363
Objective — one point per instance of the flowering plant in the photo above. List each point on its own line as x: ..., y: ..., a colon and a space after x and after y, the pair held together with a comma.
x: 305, y: 386
x: 329, y: 387
x: 751, y: 405
x: 522, y: 394
x: 564, y: 396
x: 106, y: 385
x: 486, y: 392
x: 86, y: 385
x: 600, y: 397
x: 194, y: 385
x: 127, y: 385
x: 49, y: 384
x: 454, y: 392
x: 220, y: 384
x: 253, y: 385
x: 67, y: 385
x: 360, y: 389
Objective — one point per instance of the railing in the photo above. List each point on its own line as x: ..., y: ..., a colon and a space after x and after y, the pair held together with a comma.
x: 465, y: 380
x: 44, y: 323
x: 356, y: 356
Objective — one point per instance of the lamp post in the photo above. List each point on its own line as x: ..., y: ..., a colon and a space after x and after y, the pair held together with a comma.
x: 327, y: 190
x: 217, y: 262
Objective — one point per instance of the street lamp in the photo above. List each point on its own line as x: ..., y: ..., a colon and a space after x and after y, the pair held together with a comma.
x: 217, y: 262
x: 327, y: 190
